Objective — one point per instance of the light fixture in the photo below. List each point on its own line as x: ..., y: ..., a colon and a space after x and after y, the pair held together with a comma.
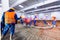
x: 35, y: 7
x: 21, y: 6
x: 17, y: 3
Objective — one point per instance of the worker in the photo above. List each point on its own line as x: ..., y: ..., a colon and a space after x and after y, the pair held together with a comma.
x: 53, y: 21
x: 10, y: 21
x: 35, y: 20
x: 21, y: 20
x: 27, y: 21
x: 44, y: 21
x: 30, y: 21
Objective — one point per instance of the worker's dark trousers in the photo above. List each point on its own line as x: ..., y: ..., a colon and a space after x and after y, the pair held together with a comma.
x: 45, y: 23
x: 22, y: 22
x: 10, y: 27
x: 30, y: 23
x: 53, y: 23
x: 2, y: 27
x: 34, y: 22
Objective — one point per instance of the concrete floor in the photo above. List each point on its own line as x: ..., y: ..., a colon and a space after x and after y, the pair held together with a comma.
x: 22, y: 33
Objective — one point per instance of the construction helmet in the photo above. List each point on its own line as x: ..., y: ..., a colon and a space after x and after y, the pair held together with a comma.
x: 53, y: 17
x: 12, y: 8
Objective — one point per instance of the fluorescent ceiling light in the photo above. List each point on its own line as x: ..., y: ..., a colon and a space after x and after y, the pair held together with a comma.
x: 17, y: 3
x: 35, y: 7
x: 21, y: 6
x: 0, y: 4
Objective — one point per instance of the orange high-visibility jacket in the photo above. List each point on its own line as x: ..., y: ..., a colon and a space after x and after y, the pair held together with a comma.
x: 28, y: 20
x: 9, y: 17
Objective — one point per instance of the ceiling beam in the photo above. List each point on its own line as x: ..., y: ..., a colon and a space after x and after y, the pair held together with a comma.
x: 47, y: 11
x: 39, y: 4
x: 17, y: 3
x: 44, y: 8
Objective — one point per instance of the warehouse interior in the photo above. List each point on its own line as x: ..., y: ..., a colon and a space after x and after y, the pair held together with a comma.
x: 28, y: 8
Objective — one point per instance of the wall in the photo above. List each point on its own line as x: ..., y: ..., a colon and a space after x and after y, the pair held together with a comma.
x: 57, y: 14
x: 42, y: 15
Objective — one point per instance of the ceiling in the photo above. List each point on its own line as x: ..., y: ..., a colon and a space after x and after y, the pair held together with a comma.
x: 28, y: 6
x: 29, y: 3
x: 12, y: 2
x: 0, y: 3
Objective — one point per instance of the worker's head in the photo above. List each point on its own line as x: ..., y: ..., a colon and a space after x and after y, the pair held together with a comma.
x: 53, y: 17
x: 20, y: 16
x: 12, y: 9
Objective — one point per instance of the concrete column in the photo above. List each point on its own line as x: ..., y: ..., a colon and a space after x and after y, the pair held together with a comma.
x: 5, y: 5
